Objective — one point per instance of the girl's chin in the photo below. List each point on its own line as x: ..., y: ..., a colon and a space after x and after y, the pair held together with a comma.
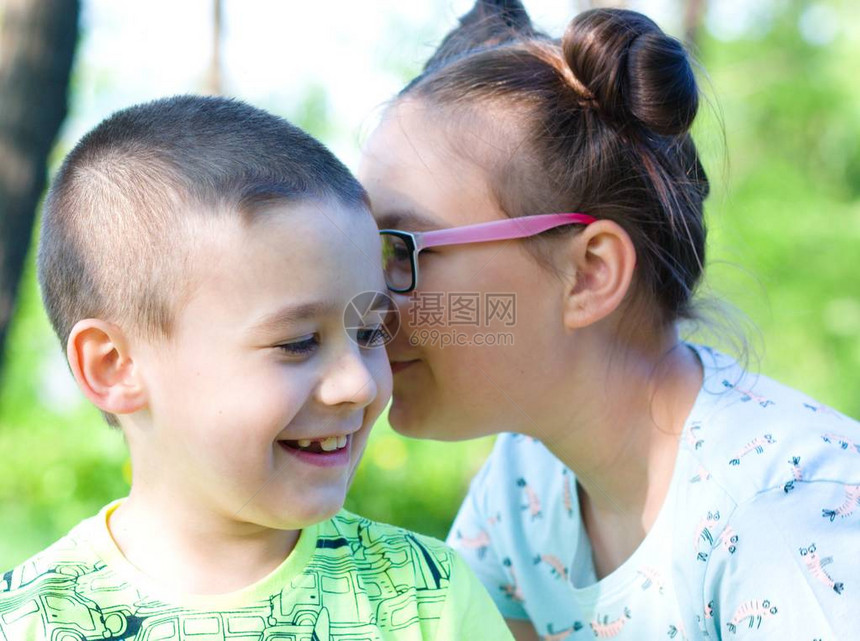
x: 399, y: 415
x: 408, y: 421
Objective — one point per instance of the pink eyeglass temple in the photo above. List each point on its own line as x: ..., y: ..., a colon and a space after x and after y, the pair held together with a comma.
x: 521, y: 227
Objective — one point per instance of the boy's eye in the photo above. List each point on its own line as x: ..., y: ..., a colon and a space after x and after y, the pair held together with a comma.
x: 304, y: 346
x: 376, y: 336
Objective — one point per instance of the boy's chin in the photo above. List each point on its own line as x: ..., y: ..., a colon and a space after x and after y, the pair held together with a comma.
x: 302, y: 513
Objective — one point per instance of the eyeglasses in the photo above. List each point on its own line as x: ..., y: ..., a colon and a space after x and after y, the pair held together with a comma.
x: 400, y: 249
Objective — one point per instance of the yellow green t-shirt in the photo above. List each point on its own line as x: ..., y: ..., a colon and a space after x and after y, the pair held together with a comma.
x: 348, y: 579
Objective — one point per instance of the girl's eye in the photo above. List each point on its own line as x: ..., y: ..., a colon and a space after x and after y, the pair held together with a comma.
x: 303, y: 347
x: 369, y: 337
x: 400, y: 254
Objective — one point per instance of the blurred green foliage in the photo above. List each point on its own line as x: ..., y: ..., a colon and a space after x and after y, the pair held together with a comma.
x: 785, y: 209
x: 785, y: 232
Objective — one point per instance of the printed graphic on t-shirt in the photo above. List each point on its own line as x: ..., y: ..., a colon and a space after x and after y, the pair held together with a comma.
x: 363, y: 579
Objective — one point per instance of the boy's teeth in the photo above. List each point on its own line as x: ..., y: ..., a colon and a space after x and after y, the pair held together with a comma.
x: 329, y: 444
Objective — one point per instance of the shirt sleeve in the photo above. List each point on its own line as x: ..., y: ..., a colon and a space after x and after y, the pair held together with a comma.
x: 786, y: 566
x: 469, y: 613
x: 473, y: 535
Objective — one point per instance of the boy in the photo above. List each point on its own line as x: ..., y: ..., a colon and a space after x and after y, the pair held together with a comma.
x: 196, y: 258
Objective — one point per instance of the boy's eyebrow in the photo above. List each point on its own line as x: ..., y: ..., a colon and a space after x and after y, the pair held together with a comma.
x: 292, y: 314
x: 406, y: 220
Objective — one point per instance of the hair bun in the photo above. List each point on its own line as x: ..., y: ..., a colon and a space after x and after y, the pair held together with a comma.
x: 488, y: 23
x: 632, y: 69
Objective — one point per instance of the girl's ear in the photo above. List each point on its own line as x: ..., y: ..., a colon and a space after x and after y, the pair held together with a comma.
x: 603, y: 259
x: 488, y: 23
x: 101, y: 361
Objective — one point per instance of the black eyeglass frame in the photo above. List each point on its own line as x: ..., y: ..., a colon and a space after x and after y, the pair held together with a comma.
x: 413, y: 248
x: 506, y: 229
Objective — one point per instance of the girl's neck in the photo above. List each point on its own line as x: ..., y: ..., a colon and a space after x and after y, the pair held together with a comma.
x: 622, y: 438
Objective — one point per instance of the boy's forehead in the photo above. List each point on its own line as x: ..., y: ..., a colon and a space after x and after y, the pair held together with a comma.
x: 290, y: 254
x: 319, y: 234
x: 309, y: 215
x: 302, y: 226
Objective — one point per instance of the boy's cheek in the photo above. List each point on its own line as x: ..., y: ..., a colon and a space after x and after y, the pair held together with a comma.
x: 381, y: 371
x: 372, y: 413
x: 384, y: 384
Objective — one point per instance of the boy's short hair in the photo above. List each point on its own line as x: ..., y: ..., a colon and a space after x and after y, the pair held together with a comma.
x: 115, y: 235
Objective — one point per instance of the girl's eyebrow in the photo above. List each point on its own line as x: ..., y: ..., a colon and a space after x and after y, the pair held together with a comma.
x: 407, y: 220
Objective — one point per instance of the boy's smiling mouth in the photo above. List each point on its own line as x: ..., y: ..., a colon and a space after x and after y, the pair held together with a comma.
x: 319, y: 445
x: 328, y: 451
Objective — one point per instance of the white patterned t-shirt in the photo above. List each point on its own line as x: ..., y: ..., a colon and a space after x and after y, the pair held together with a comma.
x: 758, y: 538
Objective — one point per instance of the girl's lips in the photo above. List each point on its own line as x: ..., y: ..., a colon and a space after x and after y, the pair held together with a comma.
x: 399, y: 366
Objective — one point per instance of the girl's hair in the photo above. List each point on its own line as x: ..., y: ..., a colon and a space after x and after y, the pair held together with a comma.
x: 599, y: 124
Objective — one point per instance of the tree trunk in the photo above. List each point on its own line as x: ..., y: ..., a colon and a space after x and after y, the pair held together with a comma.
x: 694, y: 16
x: 37, y: 45
x: 215, y: 77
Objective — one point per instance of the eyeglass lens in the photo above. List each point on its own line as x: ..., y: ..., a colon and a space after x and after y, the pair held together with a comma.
x: 396, y: 262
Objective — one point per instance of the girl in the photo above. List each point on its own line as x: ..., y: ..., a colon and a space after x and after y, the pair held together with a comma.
x: 642, y: 487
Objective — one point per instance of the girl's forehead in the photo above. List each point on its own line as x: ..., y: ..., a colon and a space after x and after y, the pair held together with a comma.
x: 405, y: 137
x: 417, y: 172
x: 478, y: 133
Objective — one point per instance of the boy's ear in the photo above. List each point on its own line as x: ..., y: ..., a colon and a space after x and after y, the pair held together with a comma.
x: 603, y: 257
x: 101, y: 362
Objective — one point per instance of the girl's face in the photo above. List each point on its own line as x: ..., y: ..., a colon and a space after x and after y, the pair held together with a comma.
x: 482, y: 333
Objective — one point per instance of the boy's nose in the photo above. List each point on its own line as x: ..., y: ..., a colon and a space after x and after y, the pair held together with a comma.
x: 348, y: 380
